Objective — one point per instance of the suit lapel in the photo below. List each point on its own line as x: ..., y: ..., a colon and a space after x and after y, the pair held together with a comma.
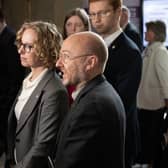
x: 33, y: 100
x: 116, y: 43
x: 89, y: 86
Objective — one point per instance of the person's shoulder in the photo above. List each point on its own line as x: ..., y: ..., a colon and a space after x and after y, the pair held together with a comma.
x: 9, y: 31
x: 8, y: 35
x: 127, y: 43
x: 131, y: 28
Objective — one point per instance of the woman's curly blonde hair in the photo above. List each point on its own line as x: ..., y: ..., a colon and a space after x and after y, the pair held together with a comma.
x: 48, y: 43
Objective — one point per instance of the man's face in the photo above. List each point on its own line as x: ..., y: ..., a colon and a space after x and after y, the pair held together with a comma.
x: 103, y: 18
x: 71, y: 62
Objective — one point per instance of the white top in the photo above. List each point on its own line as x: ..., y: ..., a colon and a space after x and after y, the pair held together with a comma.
x: 27, y: 89
x: 153, y: 88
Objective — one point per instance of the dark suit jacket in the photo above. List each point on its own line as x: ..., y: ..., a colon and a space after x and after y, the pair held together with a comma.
x: 131, y: 31
x: 11, y: 75
x: 34, y: 135
x: 92, y: 134
x: 123, y: 71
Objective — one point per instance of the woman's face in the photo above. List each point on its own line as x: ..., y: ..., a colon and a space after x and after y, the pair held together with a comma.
x: 27, y: 49
x: 73, y: 25
x: 149, y: 36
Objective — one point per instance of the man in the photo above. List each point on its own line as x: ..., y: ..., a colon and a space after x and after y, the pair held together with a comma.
x: 129, y: 28
x: 93, y: 133
x: 11, y: 74
x: 123, y: 69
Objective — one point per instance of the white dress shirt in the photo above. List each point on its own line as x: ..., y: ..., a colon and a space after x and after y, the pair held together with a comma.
x: 28, y: 87
x: 108, y: 40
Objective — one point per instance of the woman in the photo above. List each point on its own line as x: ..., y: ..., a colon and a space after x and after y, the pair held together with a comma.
x: 42, y: 101
x: 77, y: 20
x: 152, y: 98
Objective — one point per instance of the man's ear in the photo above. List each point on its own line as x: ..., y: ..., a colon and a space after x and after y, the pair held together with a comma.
x: 91, y: 62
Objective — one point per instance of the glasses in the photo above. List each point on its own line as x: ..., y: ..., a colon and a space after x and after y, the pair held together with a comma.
x: 65, y: 57
x: 25, y: 46
x: 102, y: 14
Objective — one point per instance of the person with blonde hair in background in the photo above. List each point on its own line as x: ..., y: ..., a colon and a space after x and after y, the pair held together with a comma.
x: 42, y: 101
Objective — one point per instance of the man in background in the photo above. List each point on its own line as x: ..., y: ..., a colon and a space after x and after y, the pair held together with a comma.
x: 123, y: 68
x: 129, y: 28
x: 11, y: 75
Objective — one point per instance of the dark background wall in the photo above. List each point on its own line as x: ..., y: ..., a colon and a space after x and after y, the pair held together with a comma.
x: 19, y: 11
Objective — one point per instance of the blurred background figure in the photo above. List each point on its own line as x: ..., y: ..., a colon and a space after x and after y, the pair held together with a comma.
x: 11, y: 75
x: 77, y: 20
x: 123, y: 68
x: 41, y: 103
x: 129, y: 28
x: 152, y: 95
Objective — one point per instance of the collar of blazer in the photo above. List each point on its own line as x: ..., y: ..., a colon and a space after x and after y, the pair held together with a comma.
x: 33, y: 100
x: 89, y: 86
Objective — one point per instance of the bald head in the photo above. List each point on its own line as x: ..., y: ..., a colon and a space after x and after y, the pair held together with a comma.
x: 82, y: 57
x: 125, y: 16
x: 89, y: 42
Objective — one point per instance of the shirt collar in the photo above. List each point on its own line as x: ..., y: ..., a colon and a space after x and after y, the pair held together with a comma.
x: 27, y: 83
x: 76, y: 92
x: 108, y: 40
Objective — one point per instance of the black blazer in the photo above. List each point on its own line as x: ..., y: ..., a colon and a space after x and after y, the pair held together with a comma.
x: 11, y: 75
x: 123, y: 71
x: 92, y: 135
x: 131, y: 31
x: 34, y: 135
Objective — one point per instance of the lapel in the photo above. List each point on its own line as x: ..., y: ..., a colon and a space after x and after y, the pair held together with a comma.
x: 116, y: 43
x: 89, y: 86
x: 33, y: 100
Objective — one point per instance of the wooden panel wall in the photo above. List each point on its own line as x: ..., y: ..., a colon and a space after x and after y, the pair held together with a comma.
x: 19, y: 11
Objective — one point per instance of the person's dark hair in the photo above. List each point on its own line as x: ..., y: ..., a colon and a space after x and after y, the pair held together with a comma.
x: 2, y: 17
x: 158, y: 27
x: 82, y: 14
x: 114, y: 3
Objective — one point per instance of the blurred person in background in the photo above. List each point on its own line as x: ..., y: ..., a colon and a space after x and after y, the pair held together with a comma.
x: 129, y: 28
x: 152, y: 97
x: 11, y: 75
x: 77, y: 20
x: 123, y: 68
